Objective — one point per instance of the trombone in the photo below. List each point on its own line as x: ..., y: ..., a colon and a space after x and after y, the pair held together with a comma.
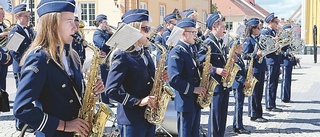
x: 201, y: 22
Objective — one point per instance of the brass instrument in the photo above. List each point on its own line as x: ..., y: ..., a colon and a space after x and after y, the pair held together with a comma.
x: 207, y: 81
x: 231, y: 67
x: 284, y: 39
x: 81, y: 31
x: 251, y: 79
x: 201, y: 22
x: 161, y: 92
x: 267, y: 45
x: 97, y: 120
x: 5, y: 40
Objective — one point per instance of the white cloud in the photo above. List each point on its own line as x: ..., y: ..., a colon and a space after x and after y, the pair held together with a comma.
x: 281, y: 8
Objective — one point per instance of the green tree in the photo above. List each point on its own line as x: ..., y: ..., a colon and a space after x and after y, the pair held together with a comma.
x: 214, y: 7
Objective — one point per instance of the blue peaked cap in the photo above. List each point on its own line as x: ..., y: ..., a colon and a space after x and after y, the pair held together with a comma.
x: 19, y: 8
x: 135, y: 15
x: 48, y: 6
x: 186, y: 22
x: 269, y: 17
x: 101, y: 17
x: 189, y: 13
x: 169, y: 17
x: 287, y: 26
x: 232, y: 41
x: 159, y: 27
x: 252, y: 22
x: 213, y: 19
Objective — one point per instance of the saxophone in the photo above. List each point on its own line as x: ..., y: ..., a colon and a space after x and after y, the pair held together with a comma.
x: 231, y: 67
x: 251, y: 79
x: 207, y: 81
x: 161, y: 91
x: 97, y: 120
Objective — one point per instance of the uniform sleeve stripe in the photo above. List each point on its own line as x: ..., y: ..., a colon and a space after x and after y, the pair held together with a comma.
x: 125, y: 99
x: 187, y: 89
x: 43, y: 123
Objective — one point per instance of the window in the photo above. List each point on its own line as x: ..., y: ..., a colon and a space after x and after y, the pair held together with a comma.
x: 143, y: 5
x: 30, y: 7
x: 88, y: 12
x: 162, y: 13
x: 229, y: 25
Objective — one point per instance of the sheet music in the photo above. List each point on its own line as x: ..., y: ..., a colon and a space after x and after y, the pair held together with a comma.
x: 15, y: 41
x: 175, y: 35
x: 124, y: 37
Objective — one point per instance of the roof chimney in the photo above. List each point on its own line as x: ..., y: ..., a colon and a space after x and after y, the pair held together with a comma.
x: 251, y: 2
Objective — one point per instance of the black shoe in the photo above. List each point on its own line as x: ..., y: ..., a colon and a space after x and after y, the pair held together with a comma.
x: 260, y: 119
x: 111, y: 105
x: 275, y: 110
x: 241, y: 131
x: 286, y: 101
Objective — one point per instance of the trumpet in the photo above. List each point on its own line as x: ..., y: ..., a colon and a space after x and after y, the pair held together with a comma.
x: 4, y: 40
x: 201, y: 22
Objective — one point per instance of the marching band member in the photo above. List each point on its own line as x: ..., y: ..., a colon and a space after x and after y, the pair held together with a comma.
x: 5, y: 58
x: 273, y: 65
x: 51, y: 77
x: 185, y: 79
x: 237, y: 87
x: 171, y: 21
x: 158, y: 38
x: 22, y: 16
x: 130, y: 80
x: 250, y: 46
x: 288, y: 63
x: 100, y: 37
x: 77, y: 45
x: 219, y: 105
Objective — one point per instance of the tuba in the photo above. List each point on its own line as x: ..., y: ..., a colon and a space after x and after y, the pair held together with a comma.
x: 231, y: 67
x: 207, y: 81
x: 97, y: 121
x: 5, y: 40
x: 161, y: 91
x: 251, y: 79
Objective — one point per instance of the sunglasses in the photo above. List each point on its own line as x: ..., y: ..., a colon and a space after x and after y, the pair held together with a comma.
x: 146, y: 29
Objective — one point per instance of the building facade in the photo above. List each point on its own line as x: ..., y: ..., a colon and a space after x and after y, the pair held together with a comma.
x: 114, y: 9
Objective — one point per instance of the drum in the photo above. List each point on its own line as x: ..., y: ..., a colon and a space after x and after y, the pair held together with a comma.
x: 170, y: 119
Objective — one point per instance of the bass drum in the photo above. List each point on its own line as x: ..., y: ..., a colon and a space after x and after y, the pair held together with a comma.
x: 170, y: 119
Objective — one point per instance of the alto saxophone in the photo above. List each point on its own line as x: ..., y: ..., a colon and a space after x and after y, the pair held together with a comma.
x: 231, y: 67
x: 97, y: 121
x: 161, y: 91
x: 251, y: 79
x: 207, y: 81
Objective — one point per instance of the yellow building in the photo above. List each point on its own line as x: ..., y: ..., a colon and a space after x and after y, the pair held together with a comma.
x: 115, y: 8
x: 310, y: 17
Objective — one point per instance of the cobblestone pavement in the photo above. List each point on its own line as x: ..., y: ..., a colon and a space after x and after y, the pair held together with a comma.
x: 301, y: 118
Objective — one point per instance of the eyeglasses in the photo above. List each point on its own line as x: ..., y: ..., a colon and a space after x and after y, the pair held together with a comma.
x: 193, y: 32
x: 146, y: 29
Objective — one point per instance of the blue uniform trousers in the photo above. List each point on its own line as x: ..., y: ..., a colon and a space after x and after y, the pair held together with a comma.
x: 104, y: 74
x: 144, y: 129
x: 286, y: 83
x: 3, y: 76
x: 189, y: 123
x: 218, y: 114
x: 272, y: 85
x: 254, y: 101
x: 17, y: 78
x: 238, y: 109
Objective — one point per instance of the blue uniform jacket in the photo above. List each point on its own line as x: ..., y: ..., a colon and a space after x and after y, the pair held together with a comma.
x: 158, y: 39
x: 45, y: 81
x: 129, y: 80
x: 272, y: 58
x: 165, y: 37
x: 184, y: 77
x: 217, y: 60
x: 241, y: 75
x: 79, y: 48
x: 288, y: 60
x: 249, y: 46
x: 100, y: 38
x: 23, y: 46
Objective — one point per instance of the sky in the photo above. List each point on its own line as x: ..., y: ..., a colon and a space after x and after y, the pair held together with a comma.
x: 281, y: 8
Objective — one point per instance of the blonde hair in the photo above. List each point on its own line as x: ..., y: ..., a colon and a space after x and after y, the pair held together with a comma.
x: 48, y: 37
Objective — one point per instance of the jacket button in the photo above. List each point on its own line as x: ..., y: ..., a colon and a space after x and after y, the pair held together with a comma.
x: 148, y: 83
x: 70, y: 101
x: 63, y: 85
